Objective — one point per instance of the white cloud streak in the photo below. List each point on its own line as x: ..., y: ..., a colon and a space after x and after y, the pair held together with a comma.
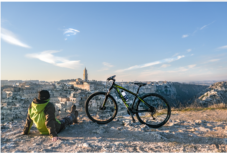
x: 223, y: 47
x: 106, y: 66
x: 184, y: 36
x: 48, y: 57
x: 150, y: 73
x: 175, y: 54
x: 206, y: 25
x: 213, y: 60
x: 157, y: 72
x: 168, y: 60
x: 191, y: 66
x: 203, y: 27
x: 71, y: 31
x: 9, y: 37
x: 180, y: 69
x: 189, y: 50
x: 165, y: 65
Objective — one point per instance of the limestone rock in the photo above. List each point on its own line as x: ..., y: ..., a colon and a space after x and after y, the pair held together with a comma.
x: 169, y: 124
x: 126, y: 122
x: 155, y: 135
x: 225, y: 141
x: 17, y: 151
x: 198, y: 121
x: 85, y: 145
x: 202, y: 129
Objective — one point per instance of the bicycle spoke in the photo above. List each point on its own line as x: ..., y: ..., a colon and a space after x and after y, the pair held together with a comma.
x: 157, y: 114
x: 97, y: 111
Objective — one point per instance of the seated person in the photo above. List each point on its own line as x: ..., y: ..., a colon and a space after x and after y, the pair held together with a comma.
x: 42, y: 113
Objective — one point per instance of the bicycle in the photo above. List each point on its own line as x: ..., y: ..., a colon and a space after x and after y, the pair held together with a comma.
x: 151, y: 109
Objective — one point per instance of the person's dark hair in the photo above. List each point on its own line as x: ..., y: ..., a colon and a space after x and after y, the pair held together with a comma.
x: 43, y: 95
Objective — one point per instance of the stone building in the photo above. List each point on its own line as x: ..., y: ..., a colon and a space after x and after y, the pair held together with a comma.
x: 10, y: 82
x: 89, y: 85
x: 85, y: 75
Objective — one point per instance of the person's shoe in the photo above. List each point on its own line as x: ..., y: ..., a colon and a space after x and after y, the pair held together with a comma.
x: 73, y: 108
x: 75, y: 113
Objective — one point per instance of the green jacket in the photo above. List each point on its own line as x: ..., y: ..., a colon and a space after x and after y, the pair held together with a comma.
x: 42, y: 114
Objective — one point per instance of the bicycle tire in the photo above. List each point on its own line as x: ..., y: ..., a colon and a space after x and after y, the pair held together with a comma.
x: 89, y: 110
x: 167, y: 109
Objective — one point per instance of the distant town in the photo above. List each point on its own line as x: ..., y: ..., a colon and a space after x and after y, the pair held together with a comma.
x: 16, y: 95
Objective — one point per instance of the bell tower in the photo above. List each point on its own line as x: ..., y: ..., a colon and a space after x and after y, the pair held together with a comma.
x: 85, y: 75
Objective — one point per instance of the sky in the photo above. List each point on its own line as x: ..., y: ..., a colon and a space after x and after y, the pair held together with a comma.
x: 136, y: 41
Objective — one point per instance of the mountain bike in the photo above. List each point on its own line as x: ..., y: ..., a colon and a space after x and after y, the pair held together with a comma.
x: 151, y: 109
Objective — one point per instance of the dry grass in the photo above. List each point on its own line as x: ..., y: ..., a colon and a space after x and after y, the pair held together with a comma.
x: 197, y: 107
x: 221, y: 105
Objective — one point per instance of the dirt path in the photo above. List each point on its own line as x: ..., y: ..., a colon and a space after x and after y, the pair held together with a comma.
x: 188, y: 131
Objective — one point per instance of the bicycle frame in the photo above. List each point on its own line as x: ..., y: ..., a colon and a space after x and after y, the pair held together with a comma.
x: 117, y: 87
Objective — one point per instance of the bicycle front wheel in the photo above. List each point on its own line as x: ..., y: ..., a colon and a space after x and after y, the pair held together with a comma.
x: 157, y: 114
x: 96, y: 112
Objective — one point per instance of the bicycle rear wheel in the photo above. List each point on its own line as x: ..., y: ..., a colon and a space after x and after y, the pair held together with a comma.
x: 157, y: 115
x: 94, y: 110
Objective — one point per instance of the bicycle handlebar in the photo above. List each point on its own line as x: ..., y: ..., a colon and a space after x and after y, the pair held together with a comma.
x: 111, y: 78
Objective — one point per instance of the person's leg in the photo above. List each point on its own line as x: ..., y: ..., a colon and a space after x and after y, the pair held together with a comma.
x: 70, y: 119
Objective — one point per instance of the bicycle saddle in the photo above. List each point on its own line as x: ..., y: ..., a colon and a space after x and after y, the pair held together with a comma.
x: 140, y: 84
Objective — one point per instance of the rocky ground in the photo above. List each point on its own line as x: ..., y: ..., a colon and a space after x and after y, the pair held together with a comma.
x: 187, y: 131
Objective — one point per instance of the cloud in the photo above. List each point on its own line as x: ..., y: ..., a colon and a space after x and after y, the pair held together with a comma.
x: 203, y: 27
x: 175, y: 54
x: 149, y: 73
x: 71, y: 31
x: 166, y: 73
x: 184, y: 36
x: 48, y: 57
x: 156, y: 72
x: 223, y: 47
x: 191, y: 66
x: 107, y: 64
x: 168, y: 60
x: 9, y: 37
x: 189, y: 50
x: 180, y: 69
x: 165, y: 65
x: 206, y: 25
x: 213, y: 60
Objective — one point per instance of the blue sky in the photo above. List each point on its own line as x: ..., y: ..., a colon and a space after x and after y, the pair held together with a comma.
x: 146, y: 41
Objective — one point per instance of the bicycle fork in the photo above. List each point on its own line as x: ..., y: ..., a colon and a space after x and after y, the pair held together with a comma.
x: 102, y: 107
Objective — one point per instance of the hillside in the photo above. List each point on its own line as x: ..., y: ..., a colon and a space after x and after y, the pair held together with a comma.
x: 214, y: 94
x: 185, y: 94
x: 187, y: 131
